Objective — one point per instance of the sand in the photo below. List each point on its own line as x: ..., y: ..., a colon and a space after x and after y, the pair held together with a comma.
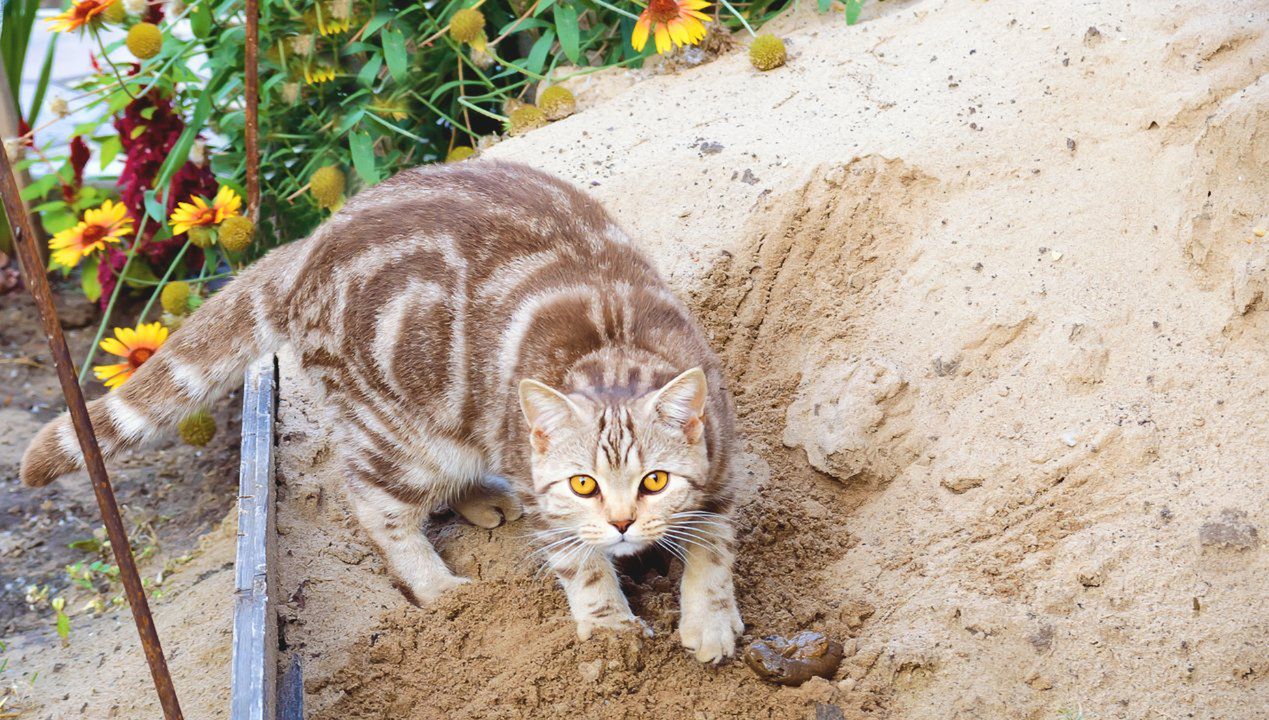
x: 985, y: 281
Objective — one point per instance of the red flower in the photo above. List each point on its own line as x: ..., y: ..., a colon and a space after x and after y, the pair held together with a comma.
x: 143, y: 156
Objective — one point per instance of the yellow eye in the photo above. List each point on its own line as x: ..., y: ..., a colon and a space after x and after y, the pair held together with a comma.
x: 655, y: 481
x: 583, y: 485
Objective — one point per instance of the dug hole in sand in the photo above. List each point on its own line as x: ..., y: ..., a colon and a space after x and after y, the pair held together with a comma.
x: 985, y: 281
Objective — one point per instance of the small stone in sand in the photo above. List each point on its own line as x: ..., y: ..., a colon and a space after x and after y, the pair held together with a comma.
x: 795, y: 660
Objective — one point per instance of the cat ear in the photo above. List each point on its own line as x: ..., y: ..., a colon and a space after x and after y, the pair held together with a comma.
x: 546, y: 410
x: 681, y: 403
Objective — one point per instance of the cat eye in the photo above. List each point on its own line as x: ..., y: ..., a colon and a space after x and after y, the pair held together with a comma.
x: 583, y: 485
x: 654, y: 482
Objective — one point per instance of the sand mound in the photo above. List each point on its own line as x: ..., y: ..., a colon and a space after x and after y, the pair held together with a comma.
x: 986, y: 285
x: 984, y: 279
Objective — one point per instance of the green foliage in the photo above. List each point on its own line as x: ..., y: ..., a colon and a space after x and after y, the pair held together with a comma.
x: 369, y: 87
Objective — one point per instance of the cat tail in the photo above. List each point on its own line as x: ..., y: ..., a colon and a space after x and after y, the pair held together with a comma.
x: 199, y: 362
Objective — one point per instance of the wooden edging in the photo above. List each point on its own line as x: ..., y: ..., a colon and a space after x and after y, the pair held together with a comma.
x: 255, y: 644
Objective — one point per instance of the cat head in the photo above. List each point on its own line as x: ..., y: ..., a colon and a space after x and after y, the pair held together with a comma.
x: 619, y: 476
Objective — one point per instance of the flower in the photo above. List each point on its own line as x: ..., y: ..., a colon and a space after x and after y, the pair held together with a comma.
x: 327, y: 186
x: 673, y: 22
x: 59, y: 106
x: 467, y: 25
x: 459, y: 153
x: 197, y: 429
x: 175, y: 297
x: 79, y: 14
x: 557, y: 102
x: 767, y: 52
x: 236, y: 233
x: 199, y: 213
x: 318, y: 74
x: 525, y: 118
x: 100, y: 226
x: 135, y: 346
x: 144, y: 40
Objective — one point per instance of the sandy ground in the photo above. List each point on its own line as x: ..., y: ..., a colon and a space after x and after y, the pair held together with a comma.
x: 985, y: 280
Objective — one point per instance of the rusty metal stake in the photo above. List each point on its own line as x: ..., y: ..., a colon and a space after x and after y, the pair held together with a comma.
x: 252, y: 81
x: 28, y: 255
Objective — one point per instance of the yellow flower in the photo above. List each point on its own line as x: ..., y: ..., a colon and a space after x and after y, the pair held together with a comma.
x: 106, y: 224
x: 199, y: 213
x: 327, y: 185
x: 767, y: 52
x: 459, y: 153
x: 673, y: 22
x: 135, y: 346
x: 467, y: 25
x: 525, y: 118
x: 145, y: 40
x: 79, y: 14
x: 318, y: 74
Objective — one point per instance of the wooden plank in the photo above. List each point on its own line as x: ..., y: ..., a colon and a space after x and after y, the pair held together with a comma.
x: 254, y: 676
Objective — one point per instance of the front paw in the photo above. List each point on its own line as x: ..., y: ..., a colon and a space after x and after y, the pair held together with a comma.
x: 628, y: 622
x: 427, y: 591
x: 710, y: 633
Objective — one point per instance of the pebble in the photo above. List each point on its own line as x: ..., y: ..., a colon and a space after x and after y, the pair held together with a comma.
x: 1069, y: 438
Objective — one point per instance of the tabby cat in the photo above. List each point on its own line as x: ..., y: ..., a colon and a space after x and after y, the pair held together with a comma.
x: 468, y: 323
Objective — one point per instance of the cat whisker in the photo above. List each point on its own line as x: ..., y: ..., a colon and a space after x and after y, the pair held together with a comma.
x: 671, y: 548
x: 699, y: 542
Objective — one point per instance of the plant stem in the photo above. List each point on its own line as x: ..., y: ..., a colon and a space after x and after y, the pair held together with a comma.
x: 110, y: 306
x: 739, y: 17
x: 106, y: 56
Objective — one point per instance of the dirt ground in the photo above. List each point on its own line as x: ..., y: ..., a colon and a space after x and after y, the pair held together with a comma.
x: 171, y: 495
x: 986, y: 281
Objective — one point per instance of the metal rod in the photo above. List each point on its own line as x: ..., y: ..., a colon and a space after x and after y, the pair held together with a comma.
x: 252, y: 80
x: 28, y: 254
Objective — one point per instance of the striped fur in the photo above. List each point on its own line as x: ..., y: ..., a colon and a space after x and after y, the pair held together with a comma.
x: 468, y: 323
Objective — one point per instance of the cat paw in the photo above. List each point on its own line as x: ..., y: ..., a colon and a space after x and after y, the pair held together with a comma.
x: 617, y: 623
x: 426, y: 593
x: 491, y: 505
x: 711, y: 633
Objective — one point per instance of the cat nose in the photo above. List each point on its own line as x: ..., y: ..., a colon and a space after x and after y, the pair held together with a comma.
x: 621, y: 525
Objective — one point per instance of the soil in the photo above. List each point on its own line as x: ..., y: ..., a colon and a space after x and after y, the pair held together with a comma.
x: 986, y: 282
x: 170, y: 494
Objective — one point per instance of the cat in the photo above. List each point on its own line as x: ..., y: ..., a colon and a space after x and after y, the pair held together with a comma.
x: 468, y: 323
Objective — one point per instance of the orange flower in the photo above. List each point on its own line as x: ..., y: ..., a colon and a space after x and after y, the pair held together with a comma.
x: 673, y: 22
x: 135, y: 346
x: 106, y: 224
x: 79, y: 14
x: 198, y: 212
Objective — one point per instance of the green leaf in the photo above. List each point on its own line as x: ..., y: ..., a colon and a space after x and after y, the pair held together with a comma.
x: 110, y: 148
x: 853, y: 7
x: 153, y: 207
x: 148, y: 113
x: 566, y: 26
x: 39, y: 188
x: 377, y: 22
x: 537, y: 55
x: 363, y: 155
x: 136, y: 131
x: 92, y: 290
x: 200, y: 21
x: 825, y: 5
x: 366, y: 76
x: 394, y: 53
x: 63, y: 626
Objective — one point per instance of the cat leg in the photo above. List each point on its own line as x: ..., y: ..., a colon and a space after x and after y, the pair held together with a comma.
x: 489, y: 503
x: 593, y: 591
x: 708, y: 619
x: 396, y: 527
